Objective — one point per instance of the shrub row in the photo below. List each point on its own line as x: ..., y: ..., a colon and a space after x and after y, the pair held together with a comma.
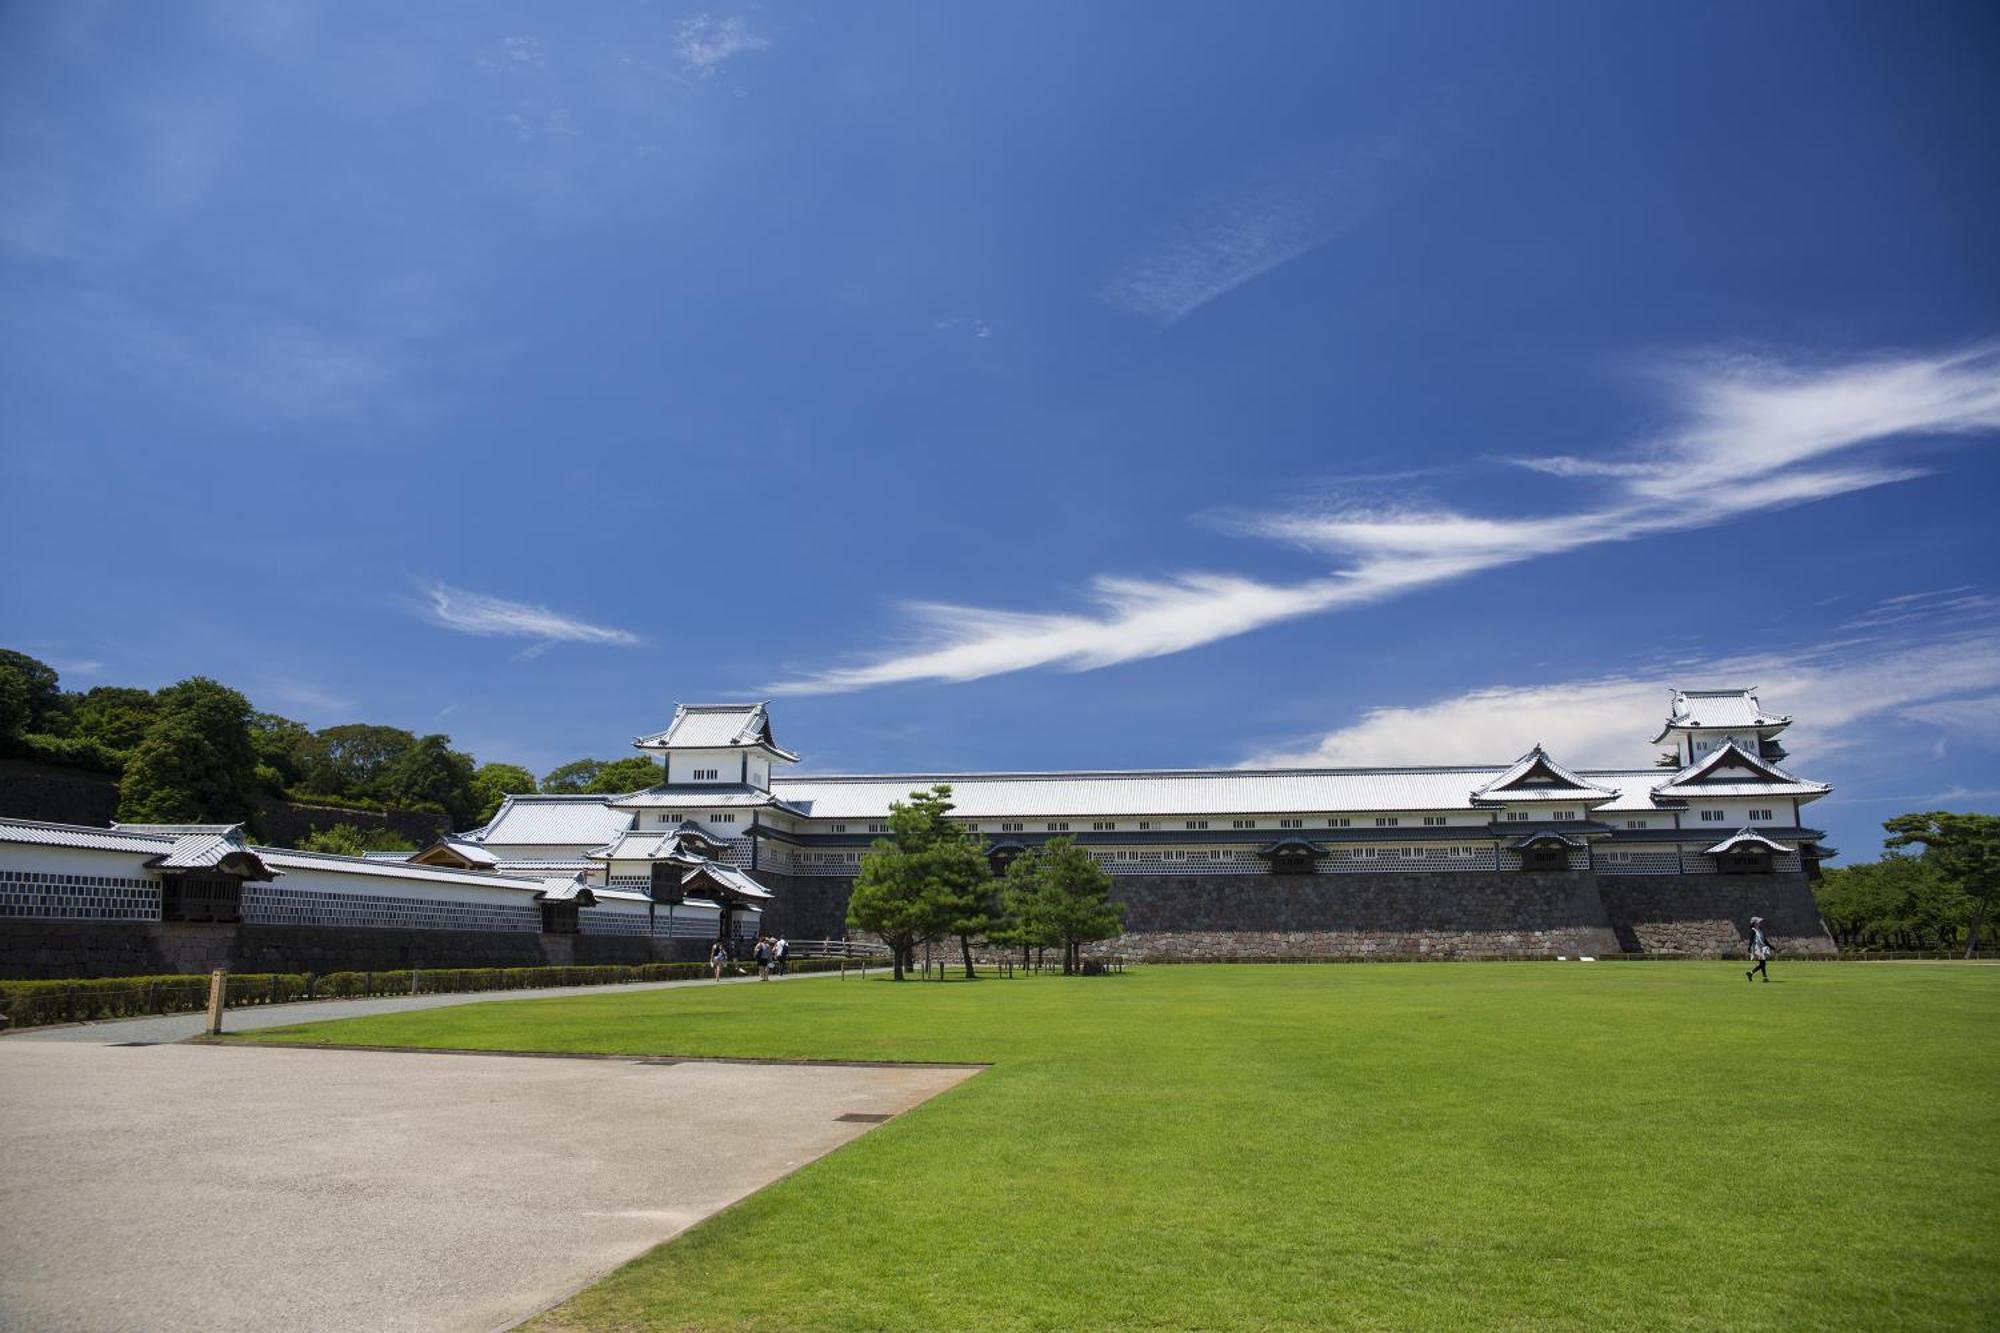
x: 68, y: 752
x: 34, y: 1003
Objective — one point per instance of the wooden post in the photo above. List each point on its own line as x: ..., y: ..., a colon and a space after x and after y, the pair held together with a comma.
x: 218, y: 988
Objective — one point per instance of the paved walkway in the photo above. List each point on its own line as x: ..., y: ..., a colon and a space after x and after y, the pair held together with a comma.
x: 178, y: 1027
x: 216, y: 1188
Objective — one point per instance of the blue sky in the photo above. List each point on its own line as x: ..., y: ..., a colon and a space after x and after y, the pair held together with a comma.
x: 1019, y: 386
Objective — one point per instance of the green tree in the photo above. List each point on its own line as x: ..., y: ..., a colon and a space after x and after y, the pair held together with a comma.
x: 430, y: 772
x: 572, y: 778
x: 1061, y: 897
x: 15, y: 710
x: 196, y: 764
x: 494, y: 783
x: 349, y: 760
x: 350, y: 840
x: 115, y: 716
x: 916, y: 884
x: 1899, y: 902
x: 623, y: 775
x: 41, y: 689
x: 283, y: 749
x: 1965, y: 848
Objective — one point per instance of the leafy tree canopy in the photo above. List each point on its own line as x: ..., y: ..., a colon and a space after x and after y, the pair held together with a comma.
x: 493, y: 783
x: 196, y: 763
x: 40, y: 695
x: 283, y: 747
x: 350, y: 840
x: 926, y: 880
x: 573, y: 777
x: 349, y: 760
x: 431, y: 772
x: 116, y: 716
x: 1965, y: 848
x: 623, y: 775
x: 1057, y: 895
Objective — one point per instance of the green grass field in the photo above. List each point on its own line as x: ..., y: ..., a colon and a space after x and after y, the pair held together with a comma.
x: 1391, y: 1146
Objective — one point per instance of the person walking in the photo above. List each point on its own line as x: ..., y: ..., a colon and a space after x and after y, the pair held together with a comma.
x: 763, y: 958
x: 718, y: 954
x: 1760, y: 949
x: 783, y: 954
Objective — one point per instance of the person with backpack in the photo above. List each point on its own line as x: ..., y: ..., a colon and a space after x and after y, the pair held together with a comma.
x: 718, y: 954
x: 1760, y: 949
x: 763, y: 958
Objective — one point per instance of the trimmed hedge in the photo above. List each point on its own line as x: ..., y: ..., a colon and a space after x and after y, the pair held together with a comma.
x: 36, y: 1003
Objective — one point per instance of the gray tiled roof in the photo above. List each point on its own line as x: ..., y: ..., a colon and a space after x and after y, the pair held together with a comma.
x: 583, y: 821
x: 1166, y: 793
x: 1513, y: 784
x: 77, y: 835
x: 715, y: 727
x: 692, y: 796
x: 1693, y: 709
x: 1694, y: 782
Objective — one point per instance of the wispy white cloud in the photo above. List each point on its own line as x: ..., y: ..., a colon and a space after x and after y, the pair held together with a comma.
x: 477, y: 613
x: 1756, y: 437
x: 1603, y: 721
x: 1976, y: 720
x: 978, y: 328
x: 1258, y: 222
x: 512, y: 55
x: 297, y: 693
x: 707, y: 42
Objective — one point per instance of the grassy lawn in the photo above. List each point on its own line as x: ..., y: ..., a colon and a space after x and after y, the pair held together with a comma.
x: 1463, y: 1145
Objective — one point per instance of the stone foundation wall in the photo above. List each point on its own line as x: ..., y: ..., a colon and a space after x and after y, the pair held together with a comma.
x: 806, y: 907
x: 1708, y: 916
x: 59, y: 949
x: 1437, y: 914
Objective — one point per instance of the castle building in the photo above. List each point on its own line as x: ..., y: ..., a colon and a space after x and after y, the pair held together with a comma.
x: 1527, y: 857
x: 1718, y: 803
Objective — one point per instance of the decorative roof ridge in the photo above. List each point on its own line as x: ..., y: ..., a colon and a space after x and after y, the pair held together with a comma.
x: 1058, y: 774
x: 1715, y: 756
x: 18, y: 822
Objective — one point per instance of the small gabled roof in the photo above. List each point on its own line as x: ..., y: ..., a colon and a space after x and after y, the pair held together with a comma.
x: 678, y: 842
x: 716, y: 727
x: 1731, y: 770
x: 1291, y: 846
x: 214, y: 851
x: 1535, y: 776
x: 1695, y: 710
x: 567, y: 890
x: 1545, y: 836
x: 1747, y: 837
x: 465, y: 849
x: 727, y: 876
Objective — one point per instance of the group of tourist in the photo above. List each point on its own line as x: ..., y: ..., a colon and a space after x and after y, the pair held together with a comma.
x: 772, y: 955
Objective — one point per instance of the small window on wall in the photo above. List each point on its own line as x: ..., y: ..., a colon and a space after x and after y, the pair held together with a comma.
x: 1563, y: 814
x: 707, y: 774
x: 1243, y: 823
x: 1291, y: 823
x: 1145, y: 824
x: 1014, y: 827
x: 1635, y: 823
x: 840, y: 828
x: 1058, y: 826
x: 1103, y: 825
x: 1435, y: 821
x: 1341, y: 822
x: 1517, y: 816
x: 1761, y: 816
x: 1713, y: 816
x: 1197, y: 823
x: 721, y: 817
x: 1386, y: 821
